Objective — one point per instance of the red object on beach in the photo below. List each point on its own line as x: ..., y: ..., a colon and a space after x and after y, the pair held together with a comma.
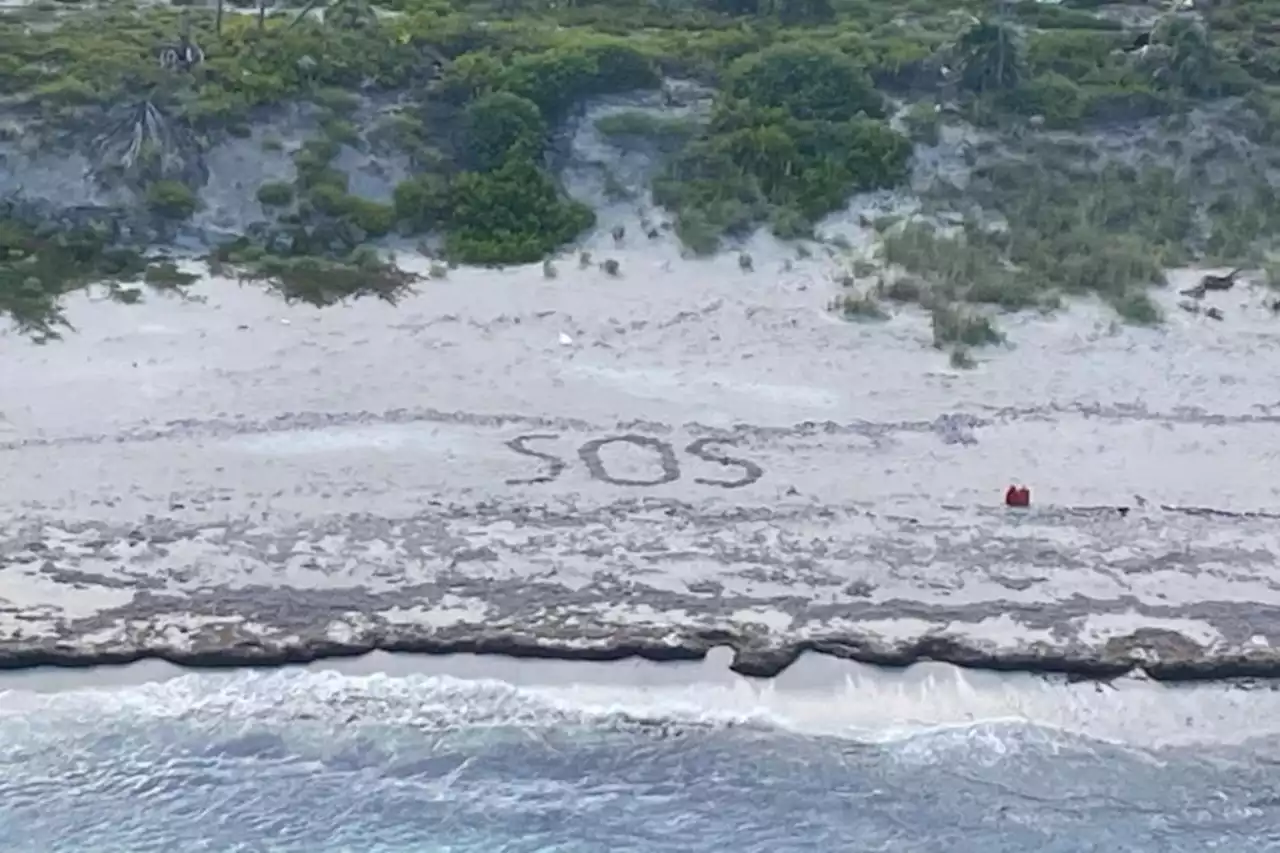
x: 1019, y: 496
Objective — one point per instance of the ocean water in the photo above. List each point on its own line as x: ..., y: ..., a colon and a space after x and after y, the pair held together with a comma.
x: 324, y: 761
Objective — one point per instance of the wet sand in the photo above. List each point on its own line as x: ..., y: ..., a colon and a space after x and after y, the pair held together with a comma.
x: 230, y: 479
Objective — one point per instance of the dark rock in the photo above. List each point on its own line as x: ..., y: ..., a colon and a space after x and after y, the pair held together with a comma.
x: 1219, y: 282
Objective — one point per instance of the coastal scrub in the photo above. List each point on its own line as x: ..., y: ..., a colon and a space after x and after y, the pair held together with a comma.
x: 798, y: 129
x: 815, y: 100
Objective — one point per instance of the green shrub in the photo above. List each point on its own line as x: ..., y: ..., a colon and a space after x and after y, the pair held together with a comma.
x: 340, y: 131
x: 557, y: 78
x: 172, y: 200
x: 808, y: 81
x: 753, y: 165
x: 275, y: 194
x: 1075, y: 54
x: 322, y: 281
x: 513, y: 214
x: 422, y: 201
x: 957, y: 325
x: 1051, y: 96
x: 165, y: 275
x: 499, y: 127
x: 66, y: 91
x: 312, y: 163
x: 372, y: 217
x: 337, y: 100
x: 860, y: 307
x: 666, y: 132
x: 329, y: 199
x: 38, y: 266
x: 1137, y: 307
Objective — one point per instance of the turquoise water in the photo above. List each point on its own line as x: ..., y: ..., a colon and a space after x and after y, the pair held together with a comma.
x: 321, y: 762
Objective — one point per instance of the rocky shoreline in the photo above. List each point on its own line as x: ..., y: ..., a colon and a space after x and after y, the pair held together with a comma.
x: 1159, y: 655
x: 344, y: 586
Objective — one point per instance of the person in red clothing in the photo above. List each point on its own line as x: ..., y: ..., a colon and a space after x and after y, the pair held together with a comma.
x: 1018, y: 496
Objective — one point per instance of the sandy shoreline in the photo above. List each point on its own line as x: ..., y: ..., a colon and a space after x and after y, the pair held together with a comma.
x: 710, y: 460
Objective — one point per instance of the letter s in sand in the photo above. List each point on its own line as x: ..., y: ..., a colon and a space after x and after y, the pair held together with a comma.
x: 751, y: 472
x: 555, y: 465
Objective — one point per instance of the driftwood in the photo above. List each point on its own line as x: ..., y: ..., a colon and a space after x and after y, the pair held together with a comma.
x: 1220, y: 282
x: 1213, y: 282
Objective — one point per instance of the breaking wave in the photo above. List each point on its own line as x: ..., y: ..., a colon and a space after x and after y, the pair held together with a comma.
x: 327, y: 760
x: 820, y: 698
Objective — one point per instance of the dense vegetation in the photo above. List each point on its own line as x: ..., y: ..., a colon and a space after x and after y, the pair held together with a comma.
x: 1042, y: 216
x: 470, y: 95
x: 797, y: 130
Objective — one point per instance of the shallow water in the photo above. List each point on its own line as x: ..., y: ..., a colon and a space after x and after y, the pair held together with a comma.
x: 314, y: 760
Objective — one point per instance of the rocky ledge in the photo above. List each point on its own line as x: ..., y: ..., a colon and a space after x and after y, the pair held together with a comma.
x: 1160, y: 655
x: 361, y: 584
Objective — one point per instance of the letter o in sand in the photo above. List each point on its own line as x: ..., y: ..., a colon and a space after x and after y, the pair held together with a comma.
x: 590, y: 455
